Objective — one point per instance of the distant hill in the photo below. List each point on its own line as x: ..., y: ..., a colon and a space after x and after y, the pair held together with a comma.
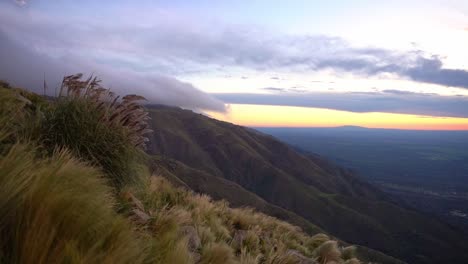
x: 433, y: 159
x: 252, y: 168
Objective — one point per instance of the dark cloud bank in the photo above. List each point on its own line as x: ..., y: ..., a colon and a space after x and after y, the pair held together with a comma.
x: 26, y: 68
x: 391, y: 101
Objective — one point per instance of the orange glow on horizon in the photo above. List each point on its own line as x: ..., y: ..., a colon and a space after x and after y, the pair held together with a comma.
x: 291, y: 116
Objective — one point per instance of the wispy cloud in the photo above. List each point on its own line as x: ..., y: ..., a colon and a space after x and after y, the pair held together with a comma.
x: 389, y: 101
x: 274, y: 89
x: 21, y: 2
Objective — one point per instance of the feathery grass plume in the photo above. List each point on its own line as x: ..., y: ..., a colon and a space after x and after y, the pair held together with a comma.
x: 328, y: 252
x: 59, y: 210
x: 96, y: 126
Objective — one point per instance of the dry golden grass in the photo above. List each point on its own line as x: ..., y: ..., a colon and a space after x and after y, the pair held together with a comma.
x: 228, y: 235
x: 59, y: 210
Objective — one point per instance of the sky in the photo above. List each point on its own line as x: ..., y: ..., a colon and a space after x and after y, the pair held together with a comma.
x: 392, y: 64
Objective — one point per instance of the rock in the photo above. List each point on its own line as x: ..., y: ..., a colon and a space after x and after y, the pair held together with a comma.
x: 301, y: 259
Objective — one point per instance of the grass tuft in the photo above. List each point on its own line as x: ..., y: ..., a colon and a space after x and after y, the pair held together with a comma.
x: 59, y: 210
x: 328, y: 252
x: 97, y: 127
x: 217, y: 253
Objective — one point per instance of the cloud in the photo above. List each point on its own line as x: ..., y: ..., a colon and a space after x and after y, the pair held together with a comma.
x: 173, y: 44
x: 21, y: 2
x: 400, y: 92
x: 23, y: 66
x: 293, y: 89
x: 274, y: 89
x: 389, y: 101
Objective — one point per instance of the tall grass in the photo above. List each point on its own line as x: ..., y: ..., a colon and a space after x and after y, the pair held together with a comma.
x: 59, y: 210
x: 226, y: 235
x: 96, y: 126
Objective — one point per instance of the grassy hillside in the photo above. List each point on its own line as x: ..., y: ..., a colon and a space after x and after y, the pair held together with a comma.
x: 69, y: 194
x: 323, y: 194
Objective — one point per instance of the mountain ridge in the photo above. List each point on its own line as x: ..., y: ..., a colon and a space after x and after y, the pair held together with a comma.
x: 327, y: 196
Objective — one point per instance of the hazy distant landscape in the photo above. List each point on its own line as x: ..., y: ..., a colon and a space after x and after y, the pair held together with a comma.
x: 427, y: 169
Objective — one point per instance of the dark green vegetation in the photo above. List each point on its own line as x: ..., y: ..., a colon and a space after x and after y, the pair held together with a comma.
x: 68, y: 197
x: 428, y: 170
x: 256, y: 166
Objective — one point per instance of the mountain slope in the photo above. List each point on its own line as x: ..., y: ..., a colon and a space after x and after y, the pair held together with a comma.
x: 327, y: 196
x: 220, y: 188
x: 91, y: 204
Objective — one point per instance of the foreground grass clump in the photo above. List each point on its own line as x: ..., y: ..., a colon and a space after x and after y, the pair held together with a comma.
x: 59, y: 210
x: 71, y: 192
x: 96, y: 126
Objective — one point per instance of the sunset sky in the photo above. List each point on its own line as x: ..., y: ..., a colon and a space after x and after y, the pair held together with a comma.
x: 386, y: 64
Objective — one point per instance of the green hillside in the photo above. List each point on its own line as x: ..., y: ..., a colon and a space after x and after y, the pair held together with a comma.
x: 75, y: 188
x: 310, y: 188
